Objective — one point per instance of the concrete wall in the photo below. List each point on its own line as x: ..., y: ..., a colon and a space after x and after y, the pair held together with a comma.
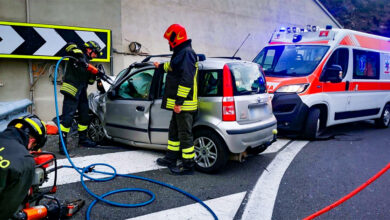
x: 217, y: 28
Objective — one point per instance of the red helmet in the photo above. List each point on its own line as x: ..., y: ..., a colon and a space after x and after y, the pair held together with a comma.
x: 175, y: 34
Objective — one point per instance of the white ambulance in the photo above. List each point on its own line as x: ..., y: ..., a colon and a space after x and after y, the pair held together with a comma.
x: 323, y: 77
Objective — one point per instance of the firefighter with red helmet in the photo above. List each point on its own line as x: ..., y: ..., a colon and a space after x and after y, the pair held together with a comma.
x: 74, y: 89
x: 17, y: 165
x: 181, y: 97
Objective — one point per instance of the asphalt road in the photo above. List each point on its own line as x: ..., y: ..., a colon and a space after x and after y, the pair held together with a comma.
x: 319, y: 174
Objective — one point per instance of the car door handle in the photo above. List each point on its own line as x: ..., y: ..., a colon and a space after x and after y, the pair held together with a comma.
x: 140, y: 108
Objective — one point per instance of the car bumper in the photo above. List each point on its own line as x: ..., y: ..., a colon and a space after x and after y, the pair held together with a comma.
x: 289, y: 111
x: 239, y: 137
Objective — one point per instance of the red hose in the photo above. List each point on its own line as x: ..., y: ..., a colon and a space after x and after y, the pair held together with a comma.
x: 345, y: 198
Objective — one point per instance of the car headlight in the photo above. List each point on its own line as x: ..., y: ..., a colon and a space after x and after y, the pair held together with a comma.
x: 296, y: 88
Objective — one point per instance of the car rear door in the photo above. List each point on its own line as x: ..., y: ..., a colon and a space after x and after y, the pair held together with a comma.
x: 128, y: 108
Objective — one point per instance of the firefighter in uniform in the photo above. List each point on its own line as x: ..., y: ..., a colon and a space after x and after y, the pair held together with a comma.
x: 181, y: 97
x: 17, y: 165
x: 74, y: 89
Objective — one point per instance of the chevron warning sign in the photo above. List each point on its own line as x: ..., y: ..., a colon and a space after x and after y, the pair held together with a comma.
x: 42, y: 41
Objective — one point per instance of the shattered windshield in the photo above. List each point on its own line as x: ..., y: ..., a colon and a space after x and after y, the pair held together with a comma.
x: 290, y: 60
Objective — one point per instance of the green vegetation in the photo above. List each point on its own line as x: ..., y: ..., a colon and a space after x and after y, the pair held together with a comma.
x: 370, y: 16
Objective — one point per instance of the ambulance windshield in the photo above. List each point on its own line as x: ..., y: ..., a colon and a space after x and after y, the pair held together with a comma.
x: 290, y: 60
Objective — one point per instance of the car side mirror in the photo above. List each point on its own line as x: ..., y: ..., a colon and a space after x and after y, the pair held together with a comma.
x: 334, y: 74
x: 112, y: 94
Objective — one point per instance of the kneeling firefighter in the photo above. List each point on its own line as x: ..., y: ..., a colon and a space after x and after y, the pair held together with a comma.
x: 181, y: 97
x: 77, y: 77
x: 17, y: 165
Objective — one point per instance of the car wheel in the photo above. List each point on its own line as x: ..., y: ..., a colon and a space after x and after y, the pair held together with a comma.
x: 211, y: 153
x: 384, y: 120
x: 313, y: 124
x: 95, y: 130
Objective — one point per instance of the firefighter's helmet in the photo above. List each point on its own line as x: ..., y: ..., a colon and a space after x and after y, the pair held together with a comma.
x: 94, y: 46
x: 32, y: 125
x: 175, y: 34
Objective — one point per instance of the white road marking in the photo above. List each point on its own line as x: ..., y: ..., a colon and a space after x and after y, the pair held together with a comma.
x: 224, y: 207
x: 261, y: 200
x: 276, y: 146
x: 124, y: 163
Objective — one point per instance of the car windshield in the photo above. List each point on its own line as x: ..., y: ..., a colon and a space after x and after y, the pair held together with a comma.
x: 290, y: 60
x: 248, y: 79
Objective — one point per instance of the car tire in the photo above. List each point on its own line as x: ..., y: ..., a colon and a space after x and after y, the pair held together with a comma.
x: 384, y: 120
x: 313, y: 124
x: 96, y: 130
x: 211, y: 153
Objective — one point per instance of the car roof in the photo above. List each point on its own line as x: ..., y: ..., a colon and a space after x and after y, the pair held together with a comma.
x: 207, y: 63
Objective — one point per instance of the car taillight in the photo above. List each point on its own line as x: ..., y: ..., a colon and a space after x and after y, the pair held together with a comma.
x: 228, y: 105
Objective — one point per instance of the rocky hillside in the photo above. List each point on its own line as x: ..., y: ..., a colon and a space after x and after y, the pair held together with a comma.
x: 371, y: 16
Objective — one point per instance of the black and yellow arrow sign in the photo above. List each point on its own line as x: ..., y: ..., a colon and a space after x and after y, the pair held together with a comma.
x: 41, y: 41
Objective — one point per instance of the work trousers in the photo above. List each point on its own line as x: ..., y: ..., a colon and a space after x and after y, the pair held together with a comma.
x: 70, y: 105
x: 180, y: 136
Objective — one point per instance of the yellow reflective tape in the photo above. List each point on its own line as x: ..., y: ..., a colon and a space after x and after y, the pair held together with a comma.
x: 68, y: 91
x: 184, y: 88
x: 188, y: 156
x: 64, y: 129
x: 182, y: 95
x: 77, y: 51
x: 167, y: 67
x: 172, y: 148
x: 69, y: 88
x: 174, y: 143
x: 195, y: 93
x: 35, y: 125
x: 188, y: 150
x: 82, y: 127
x: 19, y: 125
x: 68, y: 48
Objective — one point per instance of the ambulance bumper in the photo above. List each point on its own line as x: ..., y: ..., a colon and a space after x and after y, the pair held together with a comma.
x: 289, y: 111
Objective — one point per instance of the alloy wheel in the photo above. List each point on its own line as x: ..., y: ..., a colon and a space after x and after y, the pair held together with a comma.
x: 95, y: 131
x: 206, y: 152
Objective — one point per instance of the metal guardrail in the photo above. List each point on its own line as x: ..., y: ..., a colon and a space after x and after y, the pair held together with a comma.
x: 12, y: 110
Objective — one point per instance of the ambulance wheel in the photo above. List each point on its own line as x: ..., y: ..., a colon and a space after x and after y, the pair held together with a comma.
x: 211, y: 153
x: 313, y: 124
x: 384, y: 120
x: 96, y: 130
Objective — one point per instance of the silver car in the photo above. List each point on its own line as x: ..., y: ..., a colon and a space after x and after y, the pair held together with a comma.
x: 234, y: 116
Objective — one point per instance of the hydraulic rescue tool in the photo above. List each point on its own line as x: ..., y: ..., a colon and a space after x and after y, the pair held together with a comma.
x: 51, y: 208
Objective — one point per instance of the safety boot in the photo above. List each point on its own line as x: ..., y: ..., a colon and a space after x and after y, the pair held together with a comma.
x: 169, y: 160
x: 186, y: 168
x: 84, y: 141
x: 166, y: 162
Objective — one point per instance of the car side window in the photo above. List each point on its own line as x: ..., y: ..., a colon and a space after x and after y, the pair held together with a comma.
x: 137, y: 86
x: 365, y: 64
x: 339, y: 57
x: 210, y: 83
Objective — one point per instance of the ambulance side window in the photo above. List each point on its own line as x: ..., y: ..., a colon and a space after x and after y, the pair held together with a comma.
x: 365, y: 64
x: 339, y: 57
